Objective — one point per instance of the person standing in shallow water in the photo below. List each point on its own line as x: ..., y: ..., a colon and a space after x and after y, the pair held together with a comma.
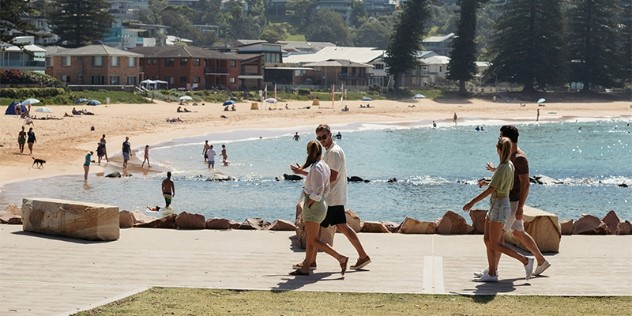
x: 126, y: 151
x: 146, y: 157
x: 105, y: 150
x: 21, y: 140
x: 168, y: 189
x: 86, y: 165
x: 205, y: 150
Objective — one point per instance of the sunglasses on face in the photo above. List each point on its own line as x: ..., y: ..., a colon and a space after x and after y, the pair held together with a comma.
x: 319, y: 138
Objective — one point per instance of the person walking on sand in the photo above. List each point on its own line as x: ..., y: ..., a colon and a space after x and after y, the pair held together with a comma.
x: 496, y: 219
x: 105, y: 150
x: 337, y: 197
x: 517, y: 197
x: 127, y: 149
x: 210, y: 153
x: 317, y: 184
x: 537, y: 117
x: 86, y: 165
x: 205, y: 150
x: 30, y: 140
x: 168, y: 189
x: 21, y: 140
x: 146, y: 157
x: 454, y: 118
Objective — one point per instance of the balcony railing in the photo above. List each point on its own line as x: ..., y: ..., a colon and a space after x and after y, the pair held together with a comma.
x: 216, y: 70
x: 24, y: 63
x: 352, y: 76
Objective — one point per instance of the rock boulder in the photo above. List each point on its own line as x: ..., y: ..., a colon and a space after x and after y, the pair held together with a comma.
x: 612, y: 221
x: 282, y: 225
x: 353, y: 220
x: 126, y: 219
x: 218, y: 223
x: 567, y: 227
x: 453, y: 223
x: 187, y: 220
x: 478, y: 220
x: 374, y: 227
x: 590, y: 225
x: 73, y: 219
x: 168, y: 221
x: 413, y: 226
x: 253, y: 224
x: 543, y: 226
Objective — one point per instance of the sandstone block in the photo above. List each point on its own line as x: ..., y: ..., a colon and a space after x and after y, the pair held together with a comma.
x: 612, y: 221
x: 590, y: 225
x: 624, y: 228
x: 282, y: 225
x: 391, y: 226
x: 543, y: 226
x: 374, y: 227
x: 353, y: 220
x: 218, y: 223
x: 478, y: 220
x: 141, y: 217
x: 74, y: 219
x: 567, y: 226
x: 126, y: 219
x: 453, y: 223
x: 326, y: 234
x: 413, y: 226
x: 11, y: 215
x: 254, y: 224
x: 168, y: 221
x: 187, y: 220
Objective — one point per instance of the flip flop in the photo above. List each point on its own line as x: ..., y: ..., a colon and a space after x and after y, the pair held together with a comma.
x: 343, y: 266
x: 299, y: 272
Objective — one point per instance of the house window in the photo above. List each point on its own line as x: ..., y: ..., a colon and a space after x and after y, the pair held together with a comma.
x: 183, y: 61
x: 183, y: 79
x: 115, y: 61
x: 65, y: 60
x: 65, y: 78
x: 131, y: 62
x: 196, y: 79
x: 115, y: 80
x: 169, y: 62
x: 233, y: 63
x: 49, y: 61
x: 98, y: 79
x: 131, y: 80
x: 196, y: 62
x: 440, y: 69
x: 232, y: 80
x: 97, y: 61
x: 379, y: 66
x: 170, y: 80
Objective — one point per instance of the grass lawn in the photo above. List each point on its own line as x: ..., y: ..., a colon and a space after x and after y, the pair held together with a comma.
x: 184, y: 301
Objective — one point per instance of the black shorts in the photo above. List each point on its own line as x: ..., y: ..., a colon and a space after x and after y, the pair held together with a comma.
x: 335, y: 215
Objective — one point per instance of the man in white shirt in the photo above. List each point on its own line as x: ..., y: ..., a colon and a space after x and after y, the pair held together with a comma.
x: 337, y: 196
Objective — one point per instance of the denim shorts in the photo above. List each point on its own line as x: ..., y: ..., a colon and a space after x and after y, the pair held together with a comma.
x: 499, y: 211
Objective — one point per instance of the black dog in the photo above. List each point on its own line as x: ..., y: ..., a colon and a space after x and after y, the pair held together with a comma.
x: 39, y: 163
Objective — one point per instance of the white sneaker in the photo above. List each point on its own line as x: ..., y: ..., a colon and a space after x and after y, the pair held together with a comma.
x: 482, y: 273
x: 528, y: 268
x: 487, y: 278
x: 541, y: 268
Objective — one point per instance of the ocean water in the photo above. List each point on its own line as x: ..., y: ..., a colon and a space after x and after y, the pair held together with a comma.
x: 436, y: 170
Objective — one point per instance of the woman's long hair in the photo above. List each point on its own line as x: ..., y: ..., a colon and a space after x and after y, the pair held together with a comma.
x: 504, y: 149
x: 314, y: 152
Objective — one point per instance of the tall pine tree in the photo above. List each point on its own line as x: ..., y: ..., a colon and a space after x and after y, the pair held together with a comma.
x: 79, y: 22
x: 592, y: 43
x: 462, y: 67
x: 10, y: 19
x: 528, y: 44
x: 401, y: 53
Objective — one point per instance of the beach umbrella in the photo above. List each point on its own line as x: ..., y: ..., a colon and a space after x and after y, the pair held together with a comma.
x: 44, y: 110
x: 93, y: 102
x: 30, y: 101
x: 271, y: 100
x: 542, y: 100
x: 228, y: 102
x: 419, y: 96
x: 365, y: 98
x: 185, y: 98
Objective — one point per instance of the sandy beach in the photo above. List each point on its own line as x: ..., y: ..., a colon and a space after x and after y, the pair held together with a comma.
x: 64, y: 142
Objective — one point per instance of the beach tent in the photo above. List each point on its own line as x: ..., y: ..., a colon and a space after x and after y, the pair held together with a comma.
x: 11, y: 108
x: 228, y: 102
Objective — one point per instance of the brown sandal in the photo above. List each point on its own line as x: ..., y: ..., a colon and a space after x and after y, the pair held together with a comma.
x: 299, y: 272
x: 343, y: 266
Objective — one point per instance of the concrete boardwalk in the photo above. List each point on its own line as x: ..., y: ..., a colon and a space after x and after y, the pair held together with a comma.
x: 45, y: 275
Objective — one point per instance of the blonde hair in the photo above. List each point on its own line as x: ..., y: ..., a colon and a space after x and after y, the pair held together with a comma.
x: 504, y: 149
x: 314, y: 152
